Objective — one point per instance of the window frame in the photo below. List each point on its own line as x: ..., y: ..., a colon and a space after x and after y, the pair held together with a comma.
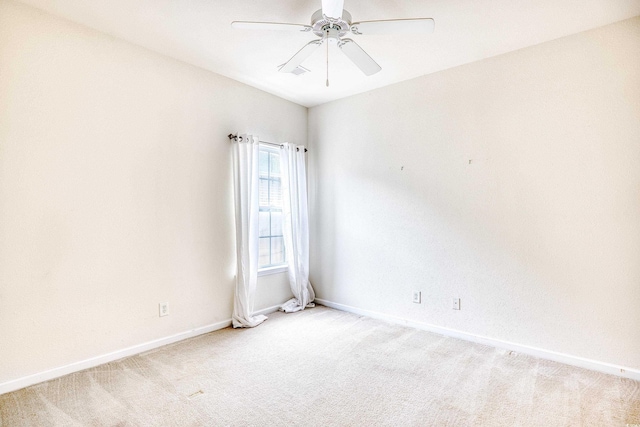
x: 273, y: 268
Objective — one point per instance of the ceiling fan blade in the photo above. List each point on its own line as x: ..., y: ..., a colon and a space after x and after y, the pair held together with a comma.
x: 247, y: 25
x: 332, y: 8
x: 394, y: 26
x: 302, y: 54
x: 359, y: 57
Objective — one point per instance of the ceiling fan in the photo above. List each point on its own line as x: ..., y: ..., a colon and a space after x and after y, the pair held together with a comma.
x: 331, y: 24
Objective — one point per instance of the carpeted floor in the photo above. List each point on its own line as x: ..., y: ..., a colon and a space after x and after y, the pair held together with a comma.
x: 323, y: 367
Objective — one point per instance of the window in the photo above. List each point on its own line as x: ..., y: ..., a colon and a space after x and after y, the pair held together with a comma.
x: 271, y: 242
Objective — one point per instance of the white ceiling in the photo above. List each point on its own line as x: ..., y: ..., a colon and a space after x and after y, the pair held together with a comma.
x: 198, y: 32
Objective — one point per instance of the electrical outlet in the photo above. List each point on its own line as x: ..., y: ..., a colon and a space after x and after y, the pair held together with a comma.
x: 416, y: 297
x: 163, y: 308
x: 456, y: 303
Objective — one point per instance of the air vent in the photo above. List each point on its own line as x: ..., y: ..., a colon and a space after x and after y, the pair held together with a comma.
x: 296, y: 71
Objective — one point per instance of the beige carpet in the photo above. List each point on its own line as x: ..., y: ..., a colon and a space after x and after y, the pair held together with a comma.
x: 324, y: 367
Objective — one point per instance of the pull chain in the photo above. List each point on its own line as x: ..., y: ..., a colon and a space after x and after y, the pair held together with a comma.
x: 327, y: 58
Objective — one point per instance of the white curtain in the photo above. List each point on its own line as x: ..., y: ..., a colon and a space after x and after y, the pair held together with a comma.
x: 296, y: 226
x: 246, y: 192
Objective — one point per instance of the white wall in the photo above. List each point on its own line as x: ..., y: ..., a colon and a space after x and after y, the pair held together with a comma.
x: 512, y: 183
x: 115, y: 191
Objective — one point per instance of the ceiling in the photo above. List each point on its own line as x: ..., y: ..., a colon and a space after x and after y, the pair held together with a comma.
x: 198, y: 32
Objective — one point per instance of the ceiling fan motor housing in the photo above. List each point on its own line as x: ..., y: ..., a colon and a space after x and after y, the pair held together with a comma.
x: 320, y: 24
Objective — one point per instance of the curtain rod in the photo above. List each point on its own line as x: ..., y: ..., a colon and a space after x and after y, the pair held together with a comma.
x: 235, y: 138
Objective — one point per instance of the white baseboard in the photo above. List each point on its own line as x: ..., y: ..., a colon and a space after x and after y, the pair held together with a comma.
x: 594, y: 365
x: 60, y: 371
x: 268, y: 310
x: 50, y: 374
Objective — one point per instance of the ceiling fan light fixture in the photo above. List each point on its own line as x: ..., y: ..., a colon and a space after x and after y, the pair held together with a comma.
x: 332, y: 36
